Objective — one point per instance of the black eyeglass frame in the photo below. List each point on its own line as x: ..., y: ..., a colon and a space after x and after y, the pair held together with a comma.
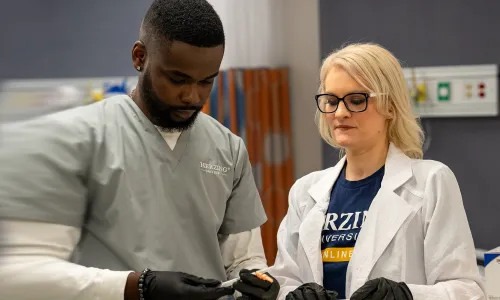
x: 366, y: 95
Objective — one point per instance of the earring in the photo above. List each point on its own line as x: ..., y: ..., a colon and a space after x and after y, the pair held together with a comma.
x: 138, y: 68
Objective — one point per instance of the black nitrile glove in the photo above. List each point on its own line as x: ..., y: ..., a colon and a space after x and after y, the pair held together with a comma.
x: 253, y: 288
x: 177, y: 285
x: 383, y: 289
x: 311, y: 291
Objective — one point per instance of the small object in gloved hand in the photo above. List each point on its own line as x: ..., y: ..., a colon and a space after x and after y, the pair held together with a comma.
x: 383, y: 289
x: 311, y: 291
x: 257, y: 286
x: 264, y: 277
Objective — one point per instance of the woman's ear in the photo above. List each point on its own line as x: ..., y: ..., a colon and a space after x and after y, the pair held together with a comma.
x: 391, y: 115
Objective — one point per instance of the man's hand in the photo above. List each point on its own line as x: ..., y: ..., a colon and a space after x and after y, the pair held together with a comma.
x: 383, y: 289
x: 254, y: 288
x: 311, y: 291
x: 177, y: 285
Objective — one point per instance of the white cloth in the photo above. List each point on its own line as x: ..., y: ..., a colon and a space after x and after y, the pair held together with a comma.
x: 35, y: 260
x: 170, y: 137
x: 416, y: 231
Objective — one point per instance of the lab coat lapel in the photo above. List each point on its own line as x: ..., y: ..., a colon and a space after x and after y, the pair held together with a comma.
x: 312, y: 226
x: 386, y: 215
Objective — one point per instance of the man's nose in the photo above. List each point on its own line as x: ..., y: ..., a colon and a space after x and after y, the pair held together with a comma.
x: 190, y: 95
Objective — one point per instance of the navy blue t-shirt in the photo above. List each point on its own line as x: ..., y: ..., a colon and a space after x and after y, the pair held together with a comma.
x: 349, y: 203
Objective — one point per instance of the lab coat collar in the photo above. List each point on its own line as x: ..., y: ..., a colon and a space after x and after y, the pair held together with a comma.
x: 377, y: 231
x: 397, y: 172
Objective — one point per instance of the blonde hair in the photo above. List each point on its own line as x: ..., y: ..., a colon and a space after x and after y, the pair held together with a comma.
x: 378, y: 71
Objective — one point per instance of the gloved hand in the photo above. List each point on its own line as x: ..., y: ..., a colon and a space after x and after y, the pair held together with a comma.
x: 383, y: 289
x: 311, y: 291
x: 177, y: 285
x: 254, y: 288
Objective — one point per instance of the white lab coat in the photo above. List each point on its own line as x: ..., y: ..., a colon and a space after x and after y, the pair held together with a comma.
x: 416, y: 231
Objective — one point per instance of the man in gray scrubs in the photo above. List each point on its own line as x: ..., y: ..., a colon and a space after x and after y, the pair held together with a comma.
x: 93, y: 195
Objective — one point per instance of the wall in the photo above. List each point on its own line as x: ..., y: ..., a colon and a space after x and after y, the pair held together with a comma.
x: 56, y: 38
x: 432, y: 33
x: 303, y: 58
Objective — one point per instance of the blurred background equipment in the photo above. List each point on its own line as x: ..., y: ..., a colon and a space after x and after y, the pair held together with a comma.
x: 28, y: 98
x: 454, y: 91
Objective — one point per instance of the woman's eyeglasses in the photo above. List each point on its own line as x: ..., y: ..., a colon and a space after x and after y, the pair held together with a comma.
x: 354, y: 102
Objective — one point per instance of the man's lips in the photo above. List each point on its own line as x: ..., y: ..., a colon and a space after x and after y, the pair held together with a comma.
x: 185, y: 113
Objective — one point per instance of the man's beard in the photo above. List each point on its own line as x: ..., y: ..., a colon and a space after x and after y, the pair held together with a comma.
x: 161, y: 114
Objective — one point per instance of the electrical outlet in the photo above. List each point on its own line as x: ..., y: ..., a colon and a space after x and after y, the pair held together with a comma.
x: 456, y: 91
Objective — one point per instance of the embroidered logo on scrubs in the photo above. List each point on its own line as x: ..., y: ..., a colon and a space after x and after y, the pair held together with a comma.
x: 213, y: 168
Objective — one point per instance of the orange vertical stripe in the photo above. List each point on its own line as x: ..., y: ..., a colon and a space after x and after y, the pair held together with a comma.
x: 278, y: 109
x: 256, y: 118
x: 206, y: 107
x: 248, y: 90
x: 286, y: 121
x: 233, y: 124
x: 267, y: 171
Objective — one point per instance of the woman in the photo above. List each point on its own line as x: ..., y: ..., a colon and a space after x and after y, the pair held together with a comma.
x: 383, y: 223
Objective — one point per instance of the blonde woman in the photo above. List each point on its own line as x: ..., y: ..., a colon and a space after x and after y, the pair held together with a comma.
x: 383, y: 223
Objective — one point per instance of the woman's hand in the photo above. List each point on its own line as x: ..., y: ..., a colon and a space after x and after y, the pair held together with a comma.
x: 383, y: 289
x: 311, y: 291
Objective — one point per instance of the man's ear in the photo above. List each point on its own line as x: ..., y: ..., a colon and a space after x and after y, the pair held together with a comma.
x: 139, y: 55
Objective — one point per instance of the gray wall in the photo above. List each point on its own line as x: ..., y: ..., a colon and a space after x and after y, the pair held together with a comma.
x: 433, y: 33
x: 57, y: 38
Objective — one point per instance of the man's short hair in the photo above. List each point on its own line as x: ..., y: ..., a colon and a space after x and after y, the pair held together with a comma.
x: 194, y: 22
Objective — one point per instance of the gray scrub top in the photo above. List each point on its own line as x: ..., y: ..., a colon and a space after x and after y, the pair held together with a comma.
x: 106, y: 169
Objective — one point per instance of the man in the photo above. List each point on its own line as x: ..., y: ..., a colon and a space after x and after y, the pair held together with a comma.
x: 135, y: 182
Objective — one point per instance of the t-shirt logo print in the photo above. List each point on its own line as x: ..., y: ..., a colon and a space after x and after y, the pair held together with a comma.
x: 212, y: 168
x: 340, y: 233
